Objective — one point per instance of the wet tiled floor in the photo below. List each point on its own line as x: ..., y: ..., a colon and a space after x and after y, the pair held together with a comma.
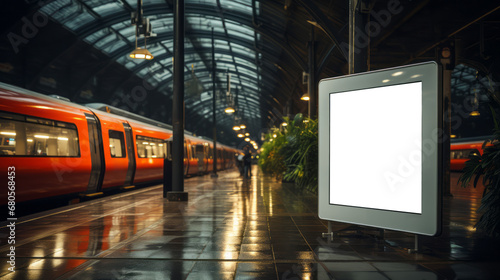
x: 232, y: 228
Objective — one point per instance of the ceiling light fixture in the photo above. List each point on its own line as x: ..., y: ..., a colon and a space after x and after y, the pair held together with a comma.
x: 474, y: 113
x: 140, y: 53
x: 229, y: 110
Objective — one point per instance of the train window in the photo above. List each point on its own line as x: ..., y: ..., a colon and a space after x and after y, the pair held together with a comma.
x: 116, y: 144
x: 200, y: 148
x: 464, y: 154
x: 42, y: 138
x: 211, y: 153
x: 148, y: 147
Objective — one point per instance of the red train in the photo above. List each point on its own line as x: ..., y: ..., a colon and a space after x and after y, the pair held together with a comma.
x: 461, y: 150
x: 51, y: 147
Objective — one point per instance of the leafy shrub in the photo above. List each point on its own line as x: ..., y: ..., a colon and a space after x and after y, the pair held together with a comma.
x: 270, y: 160
x: 488, y: 165
x: 293, y: 154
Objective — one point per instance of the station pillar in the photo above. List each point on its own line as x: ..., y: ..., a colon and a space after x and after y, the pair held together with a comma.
x: 177, y: 193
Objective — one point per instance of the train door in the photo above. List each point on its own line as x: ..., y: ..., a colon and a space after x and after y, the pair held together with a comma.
x: 210, y: 157
x: 186, y: 158
x: 206, y: 151
x: 96, y: 154
x: 129, y: 179
x: 200, y: 155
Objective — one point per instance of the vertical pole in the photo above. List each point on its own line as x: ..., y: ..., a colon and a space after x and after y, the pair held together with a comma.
x: 177, y: 193
x: 312, y: 77
x: 139, y: 13
x: 416, y: 248
x: 328, y: 234
x: 359, y: 43
x: 214, y: 173
x: 446, y: 80
x: 352, y: 28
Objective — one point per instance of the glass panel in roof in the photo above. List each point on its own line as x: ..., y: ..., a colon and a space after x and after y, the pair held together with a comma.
x: 147, y: 2
x: 169, y: 44
x: 55, y: 6
x: 248, y: 87
x: 133, y: 3
x: 220, y: 45
x: 205, y: 23
x: 155, y: 66
x: 59, y: 9
x: 144, y: 71
x: 131, y: 63
x: 125, y: 29
x: 167, y: 62
x: 97, y: 3
x: 226, y: 65
x: 162, y: 22
x: 103, y: 41
x: 240, y: 6
x: 122, y: 25
x: 122, y: 60
x: 223, y: 57
x: 227, y: 5
x: 162, y: 75
x: 67, y: 13
x: 238, y: 28
x: 117, y: 44
x: 242, y: 50
x: 109, y: 8
x: 241, y: 61
x: 96, y: 36
x: 78, y: 21
x: 155, y: 49
x: 233, y: 28
x: 161, y: 29
x: 206, y: 96
x: 152, y: 81
x: 191, y: 57
x: 246, y: 72
x: 206, y: 42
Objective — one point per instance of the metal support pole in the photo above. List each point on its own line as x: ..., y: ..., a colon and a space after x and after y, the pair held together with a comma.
x: 359, y: 42
x: 446, y: 80
x: 416, y: 248
x: 352, y: 25
x: 139, y: 13
x: 329, y: 233
x: 312, y: 77
x: 177, y: 193
x: 214, y: 173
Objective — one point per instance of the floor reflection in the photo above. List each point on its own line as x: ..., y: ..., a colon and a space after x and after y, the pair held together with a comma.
x: 235, y: 228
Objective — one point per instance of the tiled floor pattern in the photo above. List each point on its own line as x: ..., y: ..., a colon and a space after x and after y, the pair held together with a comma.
x: 233, y: 228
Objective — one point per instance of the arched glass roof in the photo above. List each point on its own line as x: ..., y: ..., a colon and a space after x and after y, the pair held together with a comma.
x: 81, y: 51
x: 106, y: 24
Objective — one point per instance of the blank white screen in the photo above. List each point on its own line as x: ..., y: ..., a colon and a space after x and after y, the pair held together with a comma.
x: 375, y: 148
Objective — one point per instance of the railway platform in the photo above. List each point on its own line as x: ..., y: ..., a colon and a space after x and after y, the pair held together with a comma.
x: 235, y: 228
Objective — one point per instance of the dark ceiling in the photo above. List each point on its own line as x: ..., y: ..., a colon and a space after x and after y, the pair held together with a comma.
x: 79, y: 49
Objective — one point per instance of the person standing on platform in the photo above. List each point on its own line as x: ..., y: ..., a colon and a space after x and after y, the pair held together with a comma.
x: 247, y: 161
x: 239, y: 162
